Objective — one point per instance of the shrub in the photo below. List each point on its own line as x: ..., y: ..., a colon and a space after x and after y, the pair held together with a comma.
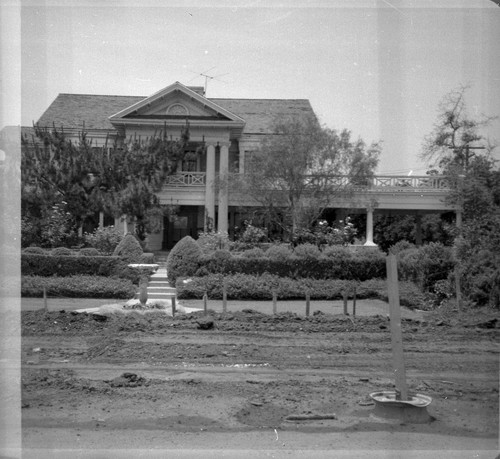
x: 147, y: 258
x: 89, y: 252
x: 183, y: 259
x: 279, y: 252
x: 426, y: 265
x: 129, y: 249
x: 248, y: 287
x: 256, y: 252
x: 78, y: 286
x: 400, y: 246
x: 253, y: 234
x: 37, y: 250
x: 104, y: 239
x: 307, y: 250
x: 212, y: 240
x: 48, y: 265
x: 337, y: 252
x: 61, y: 252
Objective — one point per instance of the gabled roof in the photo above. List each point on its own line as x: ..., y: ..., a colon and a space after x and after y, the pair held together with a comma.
x: 76, y: 110
x: 176, y: 88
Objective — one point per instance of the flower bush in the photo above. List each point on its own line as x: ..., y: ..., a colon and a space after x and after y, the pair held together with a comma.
x: 104, y: 239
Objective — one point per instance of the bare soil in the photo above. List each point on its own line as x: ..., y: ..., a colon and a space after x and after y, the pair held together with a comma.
x: 252, y: 382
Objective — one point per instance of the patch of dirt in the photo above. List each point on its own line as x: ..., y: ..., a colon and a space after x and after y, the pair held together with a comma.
x: 250, y: 371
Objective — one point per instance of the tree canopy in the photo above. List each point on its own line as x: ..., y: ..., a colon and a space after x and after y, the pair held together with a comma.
x: 84, y: 179
x: 302, y: 167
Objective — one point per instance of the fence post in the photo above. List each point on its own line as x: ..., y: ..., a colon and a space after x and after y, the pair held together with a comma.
x: 354, y: 302
x: 45, y: 305
x: 308, y: 303
x: 224, y: 295
x: 173, y: 306
x: 205, y: 300
x: 345, y: 295
x: 275, y: 299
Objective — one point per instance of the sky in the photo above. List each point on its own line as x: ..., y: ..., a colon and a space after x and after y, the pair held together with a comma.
x: 376, y: 67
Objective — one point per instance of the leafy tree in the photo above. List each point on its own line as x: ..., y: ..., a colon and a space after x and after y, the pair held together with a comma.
x: 114, y: 179
x: 296, y: 174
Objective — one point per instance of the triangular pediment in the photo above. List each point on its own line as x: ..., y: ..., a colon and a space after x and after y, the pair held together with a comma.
x: 176, y: 102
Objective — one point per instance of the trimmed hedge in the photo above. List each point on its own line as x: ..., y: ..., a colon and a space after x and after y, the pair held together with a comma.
x: 357, y: 267
x: 183, y: 259
x: 77, y: 287
x: 249, y: 287
x: 63, y: 266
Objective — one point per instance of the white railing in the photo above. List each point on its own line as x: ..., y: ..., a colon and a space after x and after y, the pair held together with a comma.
x: 186, y: 179
x: 377, y: 183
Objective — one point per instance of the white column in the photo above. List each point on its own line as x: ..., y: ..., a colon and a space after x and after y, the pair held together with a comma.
x: 369, y: 228
x: 209, y: 189
x: 223, y: 187
x: 101, y: 220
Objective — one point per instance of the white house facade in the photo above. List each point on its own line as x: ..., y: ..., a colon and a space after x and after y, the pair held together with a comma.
x: 229, y: 130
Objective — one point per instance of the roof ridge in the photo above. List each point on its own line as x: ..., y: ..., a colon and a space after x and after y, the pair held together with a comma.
x: 96, y: 95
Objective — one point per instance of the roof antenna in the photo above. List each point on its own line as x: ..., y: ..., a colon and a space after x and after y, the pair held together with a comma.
x: 207, y: 77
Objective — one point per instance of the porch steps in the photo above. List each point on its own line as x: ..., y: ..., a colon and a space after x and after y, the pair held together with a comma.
x: 159, y: 287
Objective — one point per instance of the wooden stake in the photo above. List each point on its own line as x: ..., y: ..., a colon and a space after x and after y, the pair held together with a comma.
x: 205, y: 300
x: 396, y: 334
x: 354, y: 303
x: 308, y: 304
x: 345, y: 303
x: 275, y: 299
x: 173, y: 306
x: 45, y: 305
x: 458, y: 290
x: 224, y: 296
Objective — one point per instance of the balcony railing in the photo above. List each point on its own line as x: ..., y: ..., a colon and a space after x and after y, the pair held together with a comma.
x: 186, y: 179
x: 377, y: 183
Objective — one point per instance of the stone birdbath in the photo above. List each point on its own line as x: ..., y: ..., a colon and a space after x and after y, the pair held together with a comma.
x: 145, y: 271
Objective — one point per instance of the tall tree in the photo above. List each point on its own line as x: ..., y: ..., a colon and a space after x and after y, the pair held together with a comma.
x: 302, y: 167
x: 456, y: 137
x: 114, y: 179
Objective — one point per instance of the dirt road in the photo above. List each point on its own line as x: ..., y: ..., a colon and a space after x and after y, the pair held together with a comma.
x: 144, y: 385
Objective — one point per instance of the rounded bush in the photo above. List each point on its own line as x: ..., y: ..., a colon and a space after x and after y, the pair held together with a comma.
x: 183, y: 259
x: 129, y: 249
x: 61, y: 252
x: 89, y: 252
x: 307, y: 251
x: 256, y: 252
x: 400, y: 246
x: 37, y: 250
x: 279, y: 252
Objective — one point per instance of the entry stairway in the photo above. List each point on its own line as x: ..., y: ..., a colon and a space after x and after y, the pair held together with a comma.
x: 158, y: 286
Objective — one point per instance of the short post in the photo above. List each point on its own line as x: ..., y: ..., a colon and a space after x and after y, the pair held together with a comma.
x: 458, y: 290
x: 396, y: 334
x: 275, y: 299
x: 173, y: 306
x: 224, y: 296
x: 205, y: 301
x: 354, y: 302
x: 345, y: 295
x: 308, y: 303
x: 45, y: 306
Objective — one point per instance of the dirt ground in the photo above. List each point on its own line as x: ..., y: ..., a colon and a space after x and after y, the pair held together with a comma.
x: 253, y: 385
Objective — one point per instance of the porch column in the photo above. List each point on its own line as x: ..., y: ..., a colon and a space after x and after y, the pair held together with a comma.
x: 223, y: 187
x: 369, y: 228
x: 209, y: 189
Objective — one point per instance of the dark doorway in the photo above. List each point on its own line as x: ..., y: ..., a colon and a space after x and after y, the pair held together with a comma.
x: 185, y: 223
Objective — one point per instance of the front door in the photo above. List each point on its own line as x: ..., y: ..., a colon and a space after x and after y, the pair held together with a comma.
x: 185, y: 223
